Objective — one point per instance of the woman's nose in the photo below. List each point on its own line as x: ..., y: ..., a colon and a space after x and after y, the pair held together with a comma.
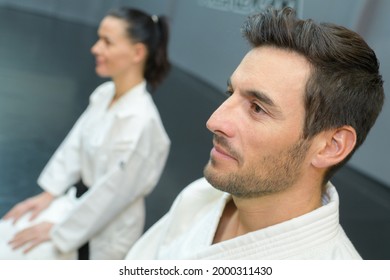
x: 95, y: 48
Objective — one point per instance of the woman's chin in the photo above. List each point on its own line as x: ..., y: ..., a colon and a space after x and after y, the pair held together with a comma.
x: 101, y: 73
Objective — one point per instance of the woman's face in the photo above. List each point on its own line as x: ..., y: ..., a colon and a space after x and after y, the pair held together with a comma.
x: 114, y: 51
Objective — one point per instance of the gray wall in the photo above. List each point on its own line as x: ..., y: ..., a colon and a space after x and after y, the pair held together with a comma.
x: 85, y: 11
x: 206, y: 42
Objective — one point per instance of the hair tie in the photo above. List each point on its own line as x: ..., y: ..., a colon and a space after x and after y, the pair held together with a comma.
x: 154, y: 18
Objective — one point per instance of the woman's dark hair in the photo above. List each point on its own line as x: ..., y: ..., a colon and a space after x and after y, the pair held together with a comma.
x: 345, y: 87
x: 153, y: 32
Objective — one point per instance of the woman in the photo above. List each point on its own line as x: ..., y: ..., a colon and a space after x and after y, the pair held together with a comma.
x: 117, y: 149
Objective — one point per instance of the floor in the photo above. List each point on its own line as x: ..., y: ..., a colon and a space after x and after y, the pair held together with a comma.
x: 46, y: 76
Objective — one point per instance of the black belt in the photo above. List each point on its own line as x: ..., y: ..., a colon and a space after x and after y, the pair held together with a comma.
x: 81, y: 188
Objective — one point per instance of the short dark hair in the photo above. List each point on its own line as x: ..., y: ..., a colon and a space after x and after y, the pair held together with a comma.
x: 345, y: 87
x: 153, y: 32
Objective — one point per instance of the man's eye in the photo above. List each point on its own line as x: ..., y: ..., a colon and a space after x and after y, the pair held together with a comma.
x: 256, y: 108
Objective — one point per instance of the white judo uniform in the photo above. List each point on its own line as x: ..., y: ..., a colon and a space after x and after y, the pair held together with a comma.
x: 119, y: 152
x: 187, y: 232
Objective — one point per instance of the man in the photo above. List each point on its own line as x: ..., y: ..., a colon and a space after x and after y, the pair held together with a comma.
x: 300, y: 103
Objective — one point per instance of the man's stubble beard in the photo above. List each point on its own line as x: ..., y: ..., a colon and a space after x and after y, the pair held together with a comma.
x: 271, y: 175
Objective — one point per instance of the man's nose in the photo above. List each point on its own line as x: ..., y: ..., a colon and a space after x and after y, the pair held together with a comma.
x: 222, y: 121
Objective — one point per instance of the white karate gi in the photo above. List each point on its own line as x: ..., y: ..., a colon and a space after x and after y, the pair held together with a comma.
x: 187, y: 232
x: 120, y: 153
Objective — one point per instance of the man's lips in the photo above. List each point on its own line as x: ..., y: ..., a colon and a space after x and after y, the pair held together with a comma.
x: 221, y: 152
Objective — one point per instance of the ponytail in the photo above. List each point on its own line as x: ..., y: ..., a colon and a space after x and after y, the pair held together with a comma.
x: 157, y: 65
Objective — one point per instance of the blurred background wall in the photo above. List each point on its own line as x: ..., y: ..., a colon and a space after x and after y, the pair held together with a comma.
x: 206, y: 42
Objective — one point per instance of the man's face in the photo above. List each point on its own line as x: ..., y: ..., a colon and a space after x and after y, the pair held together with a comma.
x: 258, y: 148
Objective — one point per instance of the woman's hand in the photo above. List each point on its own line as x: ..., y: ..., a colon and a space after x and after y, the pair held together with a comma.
x: 35, y: 205
x: 31, y: 236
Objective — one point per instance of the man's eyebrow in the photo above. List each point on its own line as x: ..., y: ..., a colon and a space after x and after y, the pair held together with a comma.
x: 261, y: 96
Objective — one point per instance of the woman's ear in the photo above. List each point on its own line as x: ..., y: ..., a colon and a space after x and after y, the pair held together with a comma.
x: 140, y: 52
x: 334, y: 146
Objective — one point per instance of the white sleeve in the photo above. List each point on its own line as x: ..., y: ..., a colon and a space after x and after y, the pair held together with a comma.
x: 138, y: 164
x: 63, y: 168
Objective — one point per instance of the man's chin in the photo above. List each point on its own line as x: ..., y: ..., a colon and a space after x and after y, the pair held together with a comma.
x: 214, y: 177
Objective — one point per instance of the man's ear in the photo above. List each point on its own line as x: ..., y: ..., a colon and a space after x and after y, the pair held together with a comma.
x: 334, y: 146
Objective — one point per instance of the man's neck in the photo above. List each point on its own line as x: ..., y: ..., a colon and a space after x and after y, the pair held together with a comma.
x: 244, y: 215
